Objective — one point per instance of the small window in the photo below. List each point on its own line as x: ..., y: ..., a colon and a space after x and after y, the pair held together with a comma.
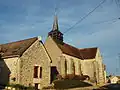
x: 35, y: 71
x: 40, y: 72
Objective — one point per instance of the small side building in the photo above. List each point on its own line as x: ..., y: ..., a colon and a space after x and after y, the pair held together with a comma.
x: 114, y: 79
x: 25, y: 62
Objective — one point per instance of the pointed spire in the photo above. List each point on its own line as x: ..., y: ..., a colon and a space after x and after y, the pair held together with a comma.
x: 55, y: 33
x: 55, y: 24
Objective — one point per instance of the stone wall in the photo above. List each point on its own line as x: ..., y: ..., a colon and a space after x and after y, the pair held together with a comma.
x: 35, y: 55
x: 100, y: 69
x: 89, y: 68
x: 73, y: 61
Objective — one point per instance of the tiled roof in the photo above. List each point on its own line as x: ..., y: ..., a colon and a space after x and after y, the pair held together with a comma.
x: 69, y: 50
x: 16, y: 48
x: 85, y: 53
x: 88, y: 53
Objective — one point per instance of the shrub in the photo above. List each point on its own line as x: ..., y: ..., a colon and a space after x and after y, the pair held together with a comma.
x: 48, y: 87
x: 69, y: 76
x: 59, y: 77
x: 76, y: 77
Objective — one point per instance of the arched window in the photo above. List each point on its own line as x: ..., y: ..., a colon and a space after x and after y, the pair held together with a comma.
x: 65, y: 67
x: 81, y: 73
x: 73, y: 67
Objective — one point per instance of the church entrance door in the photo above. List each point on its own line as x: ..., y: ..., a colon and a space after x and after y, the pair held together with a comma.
x: 54, y: 73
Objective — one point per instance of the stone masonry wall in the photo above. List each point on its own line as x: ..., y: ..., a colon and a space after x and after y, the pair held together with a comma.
x: 70, y: 61
x: 88, y: 68
x: 35, y: 55
x: 100, y: 69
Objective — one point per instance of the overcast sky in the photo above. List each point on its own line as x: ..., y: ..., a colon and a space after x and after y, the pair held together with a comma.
x: 22, y: 19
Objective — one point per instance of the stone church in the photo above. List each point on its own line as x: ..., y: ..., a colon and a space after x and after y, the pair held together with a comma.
x: 68, y: 59
x: 31, y: 62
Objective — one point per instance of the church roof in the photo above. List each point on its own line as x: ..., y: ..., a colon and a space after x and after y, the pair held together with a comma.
x: 85, y: 53
x: 88, y: 53
x: 16, y: 48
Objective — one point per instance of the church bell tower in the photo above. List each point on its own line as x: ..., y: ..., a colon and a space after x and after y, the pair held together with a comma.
x: 55, y: 33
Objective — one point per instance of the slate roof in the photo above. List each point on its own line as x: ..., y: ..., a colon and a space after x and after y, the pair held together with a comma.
x: 85, y: 53
x: 16, y: 48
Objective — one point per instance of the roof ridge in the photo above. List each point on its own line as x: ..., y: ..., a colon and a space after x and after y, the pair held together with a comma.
x: 72, y: 46
x: 87, y: 48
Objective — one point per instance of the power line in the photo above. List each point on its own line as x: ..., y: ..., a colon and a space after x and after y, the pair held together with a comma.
x: 111, y: 20
x: 84, y: 17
